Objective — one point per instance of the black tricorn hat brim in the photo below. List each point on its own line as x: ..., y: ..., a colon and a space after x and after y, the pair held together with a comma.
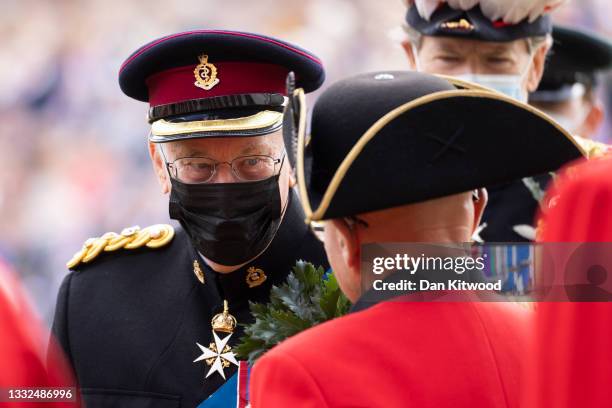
x: 440, y: 144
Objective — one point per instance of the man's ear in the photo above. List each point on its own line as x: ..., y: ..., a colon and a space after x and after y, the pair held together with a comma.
x: 159, y: 166
x: 349, y: 246
x: 479, y: 206
x: 292, y: 178
x: 537, y: 67
x: 593, y: 121
x: 407, y: 45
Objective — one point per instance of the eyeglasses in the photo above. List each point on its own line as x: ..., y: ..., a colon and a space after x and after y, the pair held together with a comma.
x: 196, y: 170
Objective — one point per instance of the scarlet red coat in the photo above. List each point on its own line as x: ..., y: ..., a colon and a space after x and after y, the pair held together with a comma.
x: 571, y: 365
x: 23, y: 340
x: 400, y: 354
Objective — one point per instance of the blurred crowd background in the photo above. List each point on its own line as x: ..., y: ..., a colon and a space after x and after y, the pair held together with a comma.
x: 73, y: 147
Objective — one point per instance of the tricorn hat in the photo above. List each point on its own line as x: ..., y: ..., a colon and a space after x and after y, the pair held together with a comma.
x: 387, y: 139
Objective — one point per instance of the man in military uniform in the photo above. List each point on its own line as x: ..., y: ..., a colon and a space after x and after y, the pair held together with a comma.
x: 148, y: 317
x: 498, y: 44
x: 404, y: 159
x: 568, y: 91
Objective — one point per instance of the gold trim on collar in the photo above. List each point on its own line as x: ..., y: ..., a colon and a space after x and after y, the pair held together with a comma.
x: 379, y: 125
x: 259, y: 120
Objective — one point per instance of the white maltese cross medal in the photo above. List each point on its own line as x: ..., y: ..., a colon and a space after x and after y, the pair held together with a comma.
x: 219, y: 355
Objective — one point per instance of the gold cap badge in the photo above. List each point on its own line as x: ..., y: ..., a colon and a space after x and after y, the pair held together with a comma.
x: 461, y: 25
x: 205, y: 74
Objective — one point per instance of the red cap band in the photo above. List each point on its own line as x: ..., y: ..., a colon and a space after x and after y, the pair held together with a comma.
x: 179, y: 84
x: 501, y: 24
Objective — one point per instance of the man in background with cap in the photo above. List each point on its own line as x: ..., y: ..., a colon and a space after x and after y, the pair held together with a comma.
x: 424, y: 178
x: 498, y: 44
x: 148, y: 317
x: 568, y: 91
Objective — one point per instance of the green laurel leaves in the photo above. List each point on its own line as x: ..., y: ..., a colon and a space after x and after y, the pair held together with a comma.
x: 307, y: 298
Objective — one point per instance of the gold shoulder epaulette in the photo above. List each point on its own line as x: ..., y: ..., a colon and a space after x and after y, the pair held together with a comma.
x: 155, y: 236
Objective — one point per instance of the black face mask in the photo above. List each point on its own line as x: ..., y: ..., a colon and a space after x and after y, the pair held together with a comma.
x: 228, y: 223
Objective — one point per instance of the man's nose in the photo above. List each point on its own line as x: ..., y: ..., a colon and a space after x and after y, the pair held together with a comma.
x: 473, y: 67
x: 224, y: 174
x: 461, y: 68
x: 470, y: 65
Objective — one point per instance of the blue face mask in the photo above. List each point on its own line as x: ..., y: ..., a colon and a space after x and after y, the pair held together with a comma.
x: 509, y: 85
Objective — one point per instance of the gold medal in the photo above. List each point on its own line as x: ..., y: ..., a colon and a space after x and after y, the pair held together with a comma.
x: 219, y: 355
